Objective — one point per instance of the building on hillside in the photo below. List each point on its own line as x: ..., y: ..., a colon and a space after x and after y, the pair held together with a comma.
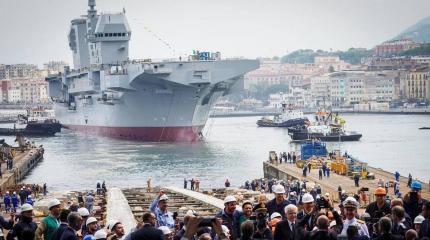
x: 19, y: 71
x: 320, y: 90
x: 26, y: 90
x: 417, y: 84
x: 395, y: 46
x: 296, y: 97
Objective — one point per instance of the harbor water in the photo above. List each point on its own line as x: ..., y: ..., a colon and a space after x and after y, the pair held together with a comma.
x: 233, y: 148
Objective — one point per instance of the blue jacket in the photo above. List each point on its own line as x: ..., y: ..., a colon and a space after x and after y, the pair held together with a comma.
x: 6, y: 199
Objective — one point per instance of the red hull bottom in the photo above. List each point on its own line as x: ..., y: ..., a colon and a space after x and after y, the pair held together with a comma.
x: 147, y: 134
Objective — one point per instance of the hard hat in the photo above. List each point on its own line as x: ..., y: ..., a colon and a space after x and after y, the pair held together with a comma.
x: 225, y: 229
x: 26, y: 207
x: 350, y: 202
x: 191, y: 213
x: 419, y: 219
x: 246, y: 202
x: 100, y: 234
x: 380, y: 191
x: 112, y: 224
x: 416, y: 185
x: 165, y: 230
x: 307, y: 198
x: 83, y: 212
x: 7, y: 192
x: 90, y: 220
x: 229, y: 198
x: 53, y: 202
x: 14, y: 192
x: 278, y: 189
x: 164, y: 197
x: 275, y: 215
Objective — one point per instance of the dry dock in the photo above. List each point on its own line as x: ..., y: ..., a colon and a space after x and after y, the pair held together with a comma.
x: 288, y: 171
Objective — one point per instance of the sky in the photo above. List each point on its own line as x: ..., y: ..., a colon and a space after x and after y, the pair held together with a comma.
x: 35, y: 31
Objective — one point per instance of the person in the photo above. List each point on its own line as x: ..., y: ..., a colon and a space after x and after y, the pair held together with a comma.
x: 357, y: 180
x: 181, y: 232
x: 74, y: 221
x: 350, y: 206
x: 117, y: 229
x: 26, y: 227
x: 328, y: 172
x: 320, y: 174
x: 192, y: 184
x: 148, y: 184
x: 397, y: 176
x: 279, y: 203
x: 263, y: 231
x: 274, y: 219
x: 287, y: 229
x: 49, y: 224
x: 30, y: 200
x: 197, y: 183
x: 379, y: 207
x: 92, y: 228
x: 98, y: 188
x: 247, y: 230
x: 413, y: 202
x: 23, y: 195
x: 294, y: 158
x: 400, y: 225
x: 148, y: 230
x: 45, y: 189
x: 308, y: 207
x: 193, y: 226
x: 227, y: 183
x: 100, y: 235
x: 159, y: 208
x: 84, y: 213
x: 384, y: 229
x: 63, y: 225
x: 6, y: 224
x: 339, y: 192
x: 7, y: 200
x: 104, y: 187
x: 246, y: 213
x: 89, y: 202
x: 409, y: 180
x: 418, y: 222
x: 322, y: 232
x: 185, y: 183
x: 262, y: 201
x: 15, y: 201
x: 229, y: 216
x: 167, y: 233
x: 425, y: 225
x: 411, y: 234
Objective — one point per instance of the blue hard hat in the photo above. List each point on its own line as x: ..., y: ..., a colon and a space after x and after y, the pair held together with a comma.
x: 416, y: 185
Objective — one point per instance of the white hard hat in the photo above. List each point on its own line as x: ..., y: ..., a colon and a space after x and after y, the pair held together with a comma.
x: 225, y: 229
x: 26, y: 207
x: 83, y: 212
x: 278, y: 189
x: 53, y: 202
x: 307, y: 198
x: 229, y: 198
x: 7, y: 192
x: 191, y: 213
x: 100, y: 234
x: 163, y: 197
x: 419, y: 219
x: 111, y: 224
x: 275, y: 215
x: 165, y: 230
x: 91, y: 220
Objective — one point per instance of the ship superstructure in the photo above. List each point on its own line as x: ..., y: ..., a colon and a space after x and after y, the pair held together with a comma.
x: 109, y: 94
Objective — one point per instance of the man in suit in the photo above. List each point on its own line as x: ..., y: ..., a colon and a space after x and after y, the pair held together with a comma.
x: 74, y: 220
x: 308, y: 209
x: 148, y: 231
x: 286, y: 229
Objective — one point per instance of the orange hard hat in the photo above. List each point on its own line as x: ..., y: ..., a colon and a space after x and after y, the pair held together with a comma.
x: 380, y: 191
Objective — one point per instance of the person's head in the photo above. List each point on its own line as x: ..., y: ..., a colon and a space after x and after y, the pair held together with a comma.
x: 247, y: 208
x: 230, y: 204
x: 162, y: 204
x: 323, y: 222
x: 291, y: 212
x: 380, y: 194
x: 54, y: 206
x: 417, y: 222
x: 205, y: 236
x: 149, y: 218
x: 84, y: 213
x: 397, y: 213
x: 74, y: 220
x: 27, y: 211
x: 426, y: 210
x: 262, y: 198
x: 247, y: 229
x: 350, y: 206
x: 351, y: 231
x: 411, y: 235
x: 91, y: 224
x: 118, y: 229
x: 396, y: 202
x: 308, y: 202
x: 384, y: 225
x: 279, y: 192
x: 100, y: 235
x: 416, y: 189
x: 63, y: 215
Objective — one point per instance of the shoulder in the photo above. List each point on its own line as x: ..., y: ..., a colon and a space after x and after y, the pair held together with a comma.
x: 359, y: 221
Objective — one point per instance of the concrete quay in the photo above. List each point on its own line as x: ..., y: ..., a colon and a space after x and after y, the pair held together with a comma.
x: 288, y: 171
x: 23, y: 162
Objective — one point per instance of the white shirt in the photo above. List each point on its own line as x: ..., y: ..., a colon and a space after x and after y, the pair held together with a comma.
x: 362, y: 228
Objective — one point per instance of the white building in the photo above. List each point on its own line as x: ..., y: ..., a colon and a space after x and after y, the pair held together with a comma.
x: 296, y: 97
x: 320, y: 90
x: 14, y: 94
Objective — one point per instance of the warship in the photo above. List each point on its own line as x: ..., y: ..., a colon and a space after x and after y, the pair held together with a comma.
x: 109, y: 94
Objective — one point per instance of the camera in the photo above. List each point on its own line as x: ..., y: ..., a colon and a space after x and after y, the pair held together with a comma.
x: 322, y: 203
x: 365, y: 189
x: 175, y: 215
x: 413, y: 196
x: 259, y: 216
x: 207, y: 222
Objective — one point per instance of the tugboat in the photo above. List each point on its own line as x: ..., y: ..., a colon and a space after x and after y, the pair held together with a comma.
x: 38, y: 122
x: 289, y: 118
x: 324, y: 131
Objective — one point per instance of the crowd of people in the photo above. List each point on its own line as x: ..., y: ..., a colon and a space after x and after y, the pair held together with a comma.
x: 313, y: 217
